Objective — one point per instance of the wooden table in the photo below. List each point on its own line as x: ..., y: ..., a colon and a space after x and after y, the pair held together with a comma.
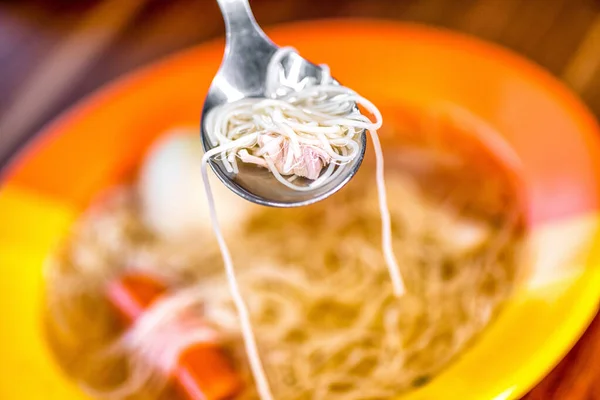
x: 65, y: 49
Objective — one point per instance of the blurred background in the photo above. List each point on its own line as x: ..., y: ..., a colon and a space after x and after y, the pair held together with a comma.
x: 54, y: 52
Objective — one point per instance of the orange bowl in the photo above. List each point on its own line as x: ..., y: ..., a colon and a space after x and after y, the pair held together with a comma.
x: 546, y: 129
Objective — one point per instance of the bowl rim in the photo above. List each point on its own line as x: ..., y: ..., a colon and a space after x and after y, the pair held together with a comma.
x: 577, y: 108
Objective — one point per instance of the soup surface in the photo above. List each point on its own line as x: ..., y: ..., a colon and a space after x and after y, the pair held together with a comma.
x: 327, y: 323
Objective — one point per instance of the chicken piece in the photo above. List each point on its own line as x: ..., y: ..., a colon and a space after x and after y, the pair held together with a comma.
x: 203, y: 371
x: 308, y: 163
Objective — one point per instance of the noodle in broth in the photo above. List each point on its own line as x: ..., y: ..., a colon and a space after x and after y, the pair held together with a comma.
x: 327, y: 323
x: 296, y: 131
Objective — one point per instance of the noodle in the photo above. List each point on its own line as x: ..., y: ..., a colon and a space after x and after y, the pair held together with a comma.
x: 320, y: 118
x: 327, y: 321
x: 314, y: 282
x: 246, y: 326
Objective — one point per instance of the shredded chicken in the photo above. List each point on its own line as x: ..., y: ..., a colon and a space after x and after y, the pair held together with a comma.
x: 307, y: 162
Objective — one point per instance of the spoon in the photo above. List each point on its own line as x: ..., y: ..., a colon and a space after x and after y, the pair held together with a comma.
x: 242, y: 74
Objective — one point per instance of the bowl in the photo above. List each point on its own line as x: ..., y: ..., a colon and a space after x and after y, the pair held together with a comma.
x: 101, y: 141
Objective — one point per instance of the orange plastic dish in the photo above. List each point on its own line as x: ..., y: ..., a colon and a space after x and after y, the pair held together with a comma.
x: 554, y: 137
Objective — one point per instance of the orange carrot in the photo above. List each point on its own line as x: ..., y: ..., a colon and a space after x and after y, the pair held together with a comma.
x: 133, y: 294
x: 203, y: 371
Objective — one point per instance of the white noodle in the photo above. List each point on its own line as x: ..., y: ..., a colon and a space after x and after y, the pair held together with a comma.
x: 320, y: 116
x: 258, y: 372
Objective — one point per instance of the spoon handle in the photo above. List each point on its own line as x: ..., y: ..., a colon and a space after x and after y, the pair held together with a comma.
x: 239, y: 21
x: 247, y: 53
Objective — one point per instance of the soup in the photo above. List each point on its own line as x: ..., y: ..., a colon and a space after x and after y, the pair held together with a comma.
x: 326, y: 320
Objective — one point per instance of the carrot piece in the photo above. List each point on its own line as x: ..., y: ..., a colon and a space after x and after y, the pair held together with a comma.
x: 203, y: 371
x: 133, y: 294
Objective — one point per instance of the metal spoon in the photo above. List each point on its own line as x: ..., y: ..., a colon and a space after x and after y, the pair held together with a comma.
x: 242, y: 74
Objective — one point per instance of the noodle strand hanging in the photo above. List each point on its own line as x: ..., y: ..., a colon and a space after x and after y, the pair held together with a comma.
x: 308, y: 130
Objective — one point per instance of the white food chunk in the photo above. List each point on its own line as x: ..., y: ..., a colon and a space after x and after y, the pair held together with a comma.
x: 466, y: 235
x: 307, y: 162
x: 172, y: 193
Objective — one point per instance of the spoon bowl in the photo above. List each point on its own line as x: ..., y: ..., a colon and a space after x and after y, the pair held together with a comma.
x: 242, y: 74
